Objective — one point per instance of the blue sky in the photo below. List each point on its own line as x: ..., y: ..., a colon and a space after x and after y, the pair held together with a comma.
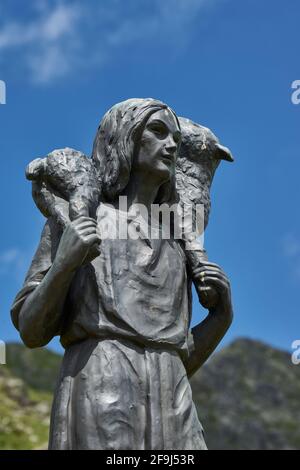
x: 226, y: 64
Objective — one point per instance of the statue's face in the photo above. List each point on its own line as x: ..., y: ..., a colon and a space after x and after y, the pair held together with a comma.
x: 159, y: 145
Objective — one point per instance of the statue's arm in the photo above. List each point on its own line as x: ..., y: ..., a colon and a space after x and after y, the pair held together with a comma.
x: 38, y: 314
x: 41, y: 314
x: 205, y: 337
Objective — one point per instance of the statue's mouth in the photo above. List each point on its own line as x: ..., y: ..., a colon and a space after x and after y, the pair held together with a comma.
x: 169, y: 157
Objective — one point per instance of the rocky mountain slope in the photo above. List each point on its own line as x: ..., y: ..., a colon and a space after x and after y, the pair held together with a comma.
x: 247, y: 396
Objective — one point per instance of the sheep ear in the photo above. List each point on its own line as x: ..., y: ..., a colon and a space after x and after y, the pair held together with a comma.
x: 224, y: 153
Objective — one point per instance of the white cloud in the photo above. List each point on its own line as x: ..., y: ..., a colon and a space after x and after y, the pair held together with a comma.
x: 62, y: 36
x: 47, y: 66
x: 9, y: 256
x: 49, y: 27
x: 291, y: 246
x: 47, y: 42
x: 14, y: 262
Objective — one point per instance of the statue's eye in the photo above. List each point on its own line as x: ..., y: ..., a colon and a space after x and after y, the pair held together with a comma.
x: 159, y: 130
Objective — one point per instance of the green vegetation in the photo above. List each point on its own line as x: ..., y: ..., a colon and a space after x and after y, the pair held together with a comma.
x: 26, y: 389
x: 24, y: 414
x: 37, y: 367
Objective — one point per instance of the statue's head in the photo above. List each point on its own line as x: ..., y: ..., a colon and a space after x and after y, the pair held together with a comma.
x: 137, y: 135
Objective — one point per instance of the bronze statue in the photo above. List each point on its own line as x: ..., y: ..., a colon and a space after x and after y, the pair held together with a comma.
x: 122, y: 306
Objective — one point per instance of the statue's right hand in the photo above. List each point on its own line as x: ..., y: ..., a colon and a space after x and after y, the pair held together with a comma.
x: 78, y: 238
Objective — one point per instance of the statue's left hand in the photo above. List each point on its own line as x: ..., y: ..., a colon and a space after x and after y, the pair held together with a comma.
x: 213, y: 287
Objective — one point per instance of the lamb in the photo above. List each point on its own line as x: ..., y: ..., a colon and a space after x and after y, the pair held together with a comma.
x: 65, y: 185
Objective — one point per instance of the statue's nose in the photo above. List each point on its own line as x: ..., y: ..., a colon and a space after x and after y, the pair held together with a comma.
x: 171, y: 146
